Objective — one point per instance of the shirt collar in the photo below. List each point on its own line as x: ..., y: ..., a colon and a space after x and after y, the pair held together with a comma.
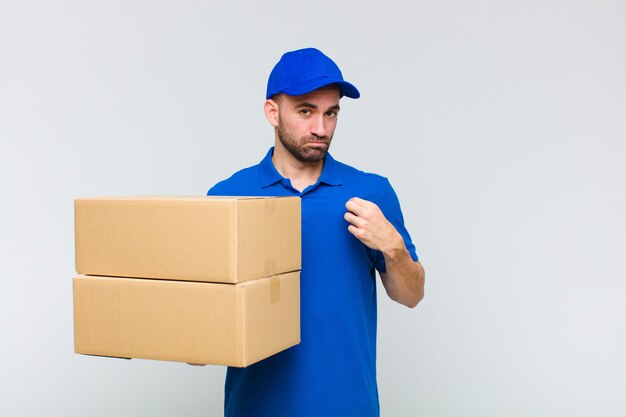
x: 268, y: 174
x: 330, y: 173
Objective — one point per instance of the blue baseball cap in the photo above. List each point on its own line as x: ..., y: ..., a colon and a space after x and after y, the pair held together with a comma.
x: 302, y: 71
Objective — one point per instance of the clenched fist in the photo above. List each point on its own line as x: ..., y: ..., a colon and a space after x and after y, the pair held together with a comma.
x: 369, y: 225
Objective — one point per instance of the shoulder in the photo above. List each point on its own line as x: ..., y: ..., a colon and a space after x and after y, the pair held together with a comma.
x: 237, y: 182
x: 352, y: 176
x: 368, y: 186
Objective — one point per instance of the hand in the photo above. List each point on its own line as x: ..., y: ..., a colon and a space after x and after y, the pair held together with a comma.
x: 369, y: 225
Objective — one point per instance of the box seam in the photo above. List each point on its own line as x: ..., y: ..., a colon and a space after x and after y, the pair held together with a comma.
x: 241, y: 311
x: 235, y: 246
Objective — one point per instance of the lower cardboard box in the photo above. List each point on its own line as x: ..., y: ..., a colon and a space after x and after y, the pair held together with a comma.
x: 195, y: 322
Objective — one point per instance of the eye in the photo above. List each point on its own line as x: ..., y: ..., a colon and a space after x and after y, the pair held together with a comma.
x: 331, y: 114
x: 305, y: 112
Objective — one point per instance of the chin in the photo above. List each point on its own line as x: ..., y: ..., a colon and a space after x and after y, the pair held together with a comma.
x: 312, y: 156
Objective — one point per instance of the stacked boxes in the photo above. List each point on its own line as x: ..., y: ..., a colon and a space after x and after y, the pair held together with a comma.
x: 191, y: 279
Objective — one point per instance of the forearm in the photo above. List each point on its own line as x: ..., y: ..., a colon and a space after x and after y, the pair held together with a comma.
x: 404, y: 279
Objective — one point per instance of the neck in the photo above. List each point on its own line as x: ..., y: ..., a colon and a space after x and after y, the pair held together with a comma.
x: 301, y: 174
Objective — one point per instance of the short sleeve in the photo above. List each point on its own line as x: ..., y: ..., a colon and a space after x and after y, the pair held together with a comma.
x: 390, y: 206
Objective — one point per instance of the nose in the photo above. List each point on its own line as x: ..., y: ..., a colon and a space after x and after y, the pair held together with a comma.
x: 318, y: 126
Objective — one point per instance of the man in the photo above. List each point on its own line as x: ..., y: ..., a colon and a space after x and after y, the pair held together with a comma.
x: 351, y: 226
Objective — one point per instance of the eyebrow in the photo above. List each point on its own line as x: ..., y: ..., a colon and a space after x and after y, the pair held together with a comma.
x: 306, y: 104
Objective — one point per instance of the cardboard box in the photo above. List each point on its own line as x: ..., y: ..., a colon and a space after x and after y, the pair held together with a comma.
x: 211, y: 239
x: 196, y: 322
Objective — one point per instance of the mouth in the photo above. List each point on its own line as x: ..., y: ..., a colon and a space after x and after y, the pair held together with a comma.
x: 318, y: 143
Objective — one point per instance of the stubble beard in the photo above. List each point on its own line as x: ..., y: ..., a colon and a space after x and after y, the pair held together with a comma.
x: 295, y: 147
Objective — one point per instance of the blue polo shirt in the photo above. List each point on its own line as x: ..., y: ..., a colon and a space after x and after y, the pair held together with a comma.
x: 332, y: 372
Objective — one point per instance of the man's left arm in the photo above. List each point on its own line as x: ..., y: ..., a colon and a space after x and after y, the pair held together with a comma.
x: 404, y: 277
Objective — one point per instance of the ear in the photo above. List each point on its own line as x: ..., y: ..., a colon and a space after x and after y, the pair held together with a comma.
x: 271, y: 112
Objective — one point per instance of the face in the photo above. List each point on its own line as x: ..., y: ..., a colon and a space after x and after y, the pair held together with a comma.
x: 306, y: 123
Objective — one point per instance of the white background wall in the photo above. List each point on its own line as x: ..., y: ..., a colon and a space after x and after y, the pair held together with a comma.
x: 501, y: 125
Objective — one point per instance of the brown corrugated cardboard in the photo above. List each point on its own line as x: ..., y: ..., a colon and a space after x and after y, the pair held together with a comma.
x: 196, y: 322
x: 211, y: 239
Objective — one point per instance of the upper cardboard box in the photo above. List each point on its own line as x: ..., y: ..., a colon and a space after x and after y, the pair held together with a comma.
x: 211, y: 239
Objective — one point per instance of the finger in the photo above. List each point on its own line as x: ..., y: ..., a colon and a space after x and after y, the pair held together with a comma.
x: 353, y: 219
x: 365, y: 205
x: 355, y: 231
x: 355, y: 207
x: 361, y: 202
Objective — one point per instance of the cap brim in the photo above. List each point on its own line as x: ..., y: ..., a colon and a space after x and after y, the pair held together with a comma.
x: 345, y: 88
